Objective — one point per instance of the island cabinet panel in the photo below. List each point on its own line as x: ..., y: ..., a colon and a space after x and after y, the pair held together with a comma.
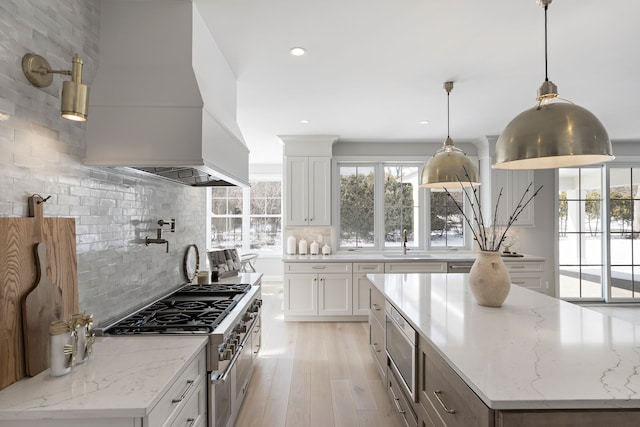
x: 377, y: 332
x: 567, y: 417
x: 445, y: 396
x: 400, y: 401
x: 361, y: 285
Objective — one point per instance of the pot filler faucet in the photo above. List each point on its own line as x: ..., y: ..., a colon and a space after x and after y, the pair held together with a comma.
x: 404, y: 241
x: 159, y: 240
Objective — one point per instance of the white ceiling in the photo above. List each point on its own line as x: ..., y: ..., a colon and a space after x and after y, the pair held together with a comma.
x: 375, y: 68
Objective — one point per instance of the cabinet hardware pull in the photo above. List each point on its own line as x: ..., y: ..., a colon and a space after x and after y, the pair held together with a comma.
x: 517, y: 266
x: 181, y: 398
x: 375, y: 307
x: 318, y: 267
x: 518, y: 283
x: 375, y: 347
x: 436, y: 393
x: 368, y: 267
x: 191, y: 422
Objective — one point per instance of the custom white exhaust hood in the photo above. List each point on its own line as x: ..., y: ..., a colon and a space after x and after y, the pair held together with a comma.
x: 164, y: 98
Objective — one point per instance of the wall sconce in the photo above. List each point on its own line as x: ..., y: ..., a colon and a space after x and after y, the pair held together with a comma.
x: 75, y: 95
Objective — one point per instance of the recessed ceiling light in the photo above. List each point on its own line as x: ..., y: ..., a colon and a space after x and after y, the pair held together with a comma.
x: 424, y: 122
x: 297, y: 51
x: 304, y: 121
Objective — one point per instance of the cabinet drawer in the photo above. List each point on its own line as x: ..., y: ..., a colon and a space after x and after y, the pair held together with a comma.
x: 194, y: 412
x: 520, y: 266
x: 376, y: 344
x: 455, y: 403
x: 399, y: 401
x: 528, y: 281
x: 415, y: 267
x: 317, y: 267
x: 368, y: 267
x: 376, y: 309
x: 180, y: 391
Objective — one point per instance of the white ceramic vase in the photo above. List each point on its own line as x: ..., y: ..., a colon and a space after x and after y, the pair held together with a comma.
x: 489, y: 279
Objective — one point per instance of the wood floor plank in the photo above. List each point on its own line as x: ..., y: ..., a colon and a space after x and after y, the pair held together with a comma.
x: 298, y: 408
x: 321, y: 410
x: 343, y: 406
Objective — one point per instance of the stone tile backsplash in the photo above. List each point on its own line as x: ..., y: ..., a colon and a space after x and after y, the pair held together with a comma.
x: 115, y: 208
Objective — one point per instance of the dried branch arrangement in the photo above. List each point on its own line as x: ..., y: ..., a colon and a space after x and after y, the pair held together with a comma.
x: 490, y: 237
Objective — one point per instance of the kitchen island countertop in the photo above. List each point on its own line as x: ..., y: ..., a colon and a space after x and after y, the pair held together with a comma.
x: 125, y: 377
x: 535, y: 352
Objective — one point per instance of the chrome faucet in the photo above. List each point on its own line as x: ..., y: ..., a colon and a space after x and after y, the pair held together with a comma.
x: 404, y: 241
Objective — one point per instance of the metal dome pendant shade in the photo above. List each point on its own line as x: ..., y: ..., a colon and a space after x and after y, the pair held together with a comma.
x: 552, y: 134
x: 449, y: 167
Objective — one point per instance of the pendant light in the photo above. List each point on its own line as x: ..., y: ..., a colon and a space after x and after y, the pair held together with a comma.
x: 554, y: 133
x: 449, y: 167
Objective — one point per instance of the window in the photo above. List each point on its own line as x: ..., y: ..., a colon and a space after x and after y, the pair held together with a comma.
x: 447, y: 223
x: 401, y: 210
x: 266, y: 216
x: 357, y: 185
x: 257, y: 209
x: 226, y: 217
x: 379, y: 200
x: 624, y: 230
x: 592, y: 221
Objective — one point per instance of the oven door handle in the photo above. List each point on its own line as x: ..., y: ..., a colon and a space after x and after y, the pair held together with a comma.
x: 219, y: 379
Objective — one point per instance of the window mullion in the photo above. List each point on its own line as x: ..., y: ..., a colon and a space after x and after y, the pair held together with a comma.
x: 378, y: 203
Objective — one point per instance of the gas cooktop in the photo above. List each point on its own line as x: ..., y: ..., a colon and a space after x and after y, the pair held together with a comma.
x: 192, y: 309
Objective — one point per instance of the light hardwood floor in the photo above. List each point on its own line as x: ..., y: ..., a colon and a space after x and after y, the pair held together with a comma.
x: 313, y: 374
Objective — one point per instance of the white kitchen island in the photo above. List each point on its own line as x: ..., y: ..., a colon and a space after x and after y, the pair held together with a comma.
x: 130, y: 381
x: 533, y: 359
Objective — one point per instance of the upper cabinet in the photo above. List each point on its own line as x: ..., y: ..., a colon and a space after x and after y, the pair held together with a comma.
x: 307, y: 179
x: 513, y: 184
x: 307, y: 190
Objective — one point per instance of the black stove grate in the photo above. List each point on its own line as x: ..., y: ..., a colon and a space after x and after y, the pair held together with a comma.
x: 192, y: 309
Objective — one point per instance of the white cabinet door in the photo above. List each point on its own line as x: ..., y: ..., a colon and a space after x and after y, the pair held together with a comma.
x: 301, y: 294
x: 307, y: 191
x: 335, y: 294
x: 319, y: 191
x: 296, y: 178
x: 513, y: 184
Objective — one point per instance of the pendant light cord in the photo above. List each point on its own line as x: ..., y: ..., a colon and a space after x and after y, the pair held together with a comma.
x: 546, y: 65
x: 448, y: 114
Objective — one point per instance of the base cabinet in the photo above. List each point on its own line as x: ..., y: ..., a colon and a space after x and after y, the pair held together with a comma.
x: 361, y: 285
x: 444, y: 396
x: 307, y: 292
x: 400, y: 402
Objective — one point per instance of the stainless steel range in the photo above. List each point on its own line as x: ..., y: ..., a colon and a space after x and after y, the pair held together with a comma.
x: 229, y: 315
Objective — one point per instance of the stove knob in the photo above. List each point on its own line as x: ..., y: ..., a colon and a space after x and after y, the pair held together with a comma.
x: 221, y: 355
x: 228, y: 354
x: 242, y: 329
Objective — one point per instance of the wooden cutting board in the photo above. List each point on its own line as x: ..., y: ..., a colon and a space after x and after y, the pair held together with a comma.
x: 19, y: 274
x: 42, y: 305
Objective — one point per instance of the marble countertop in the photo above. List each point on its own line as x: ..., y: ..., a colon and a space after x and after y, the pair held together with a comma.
x: 535, y: 352
x: 398, y: 257
x: 125, y: 377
